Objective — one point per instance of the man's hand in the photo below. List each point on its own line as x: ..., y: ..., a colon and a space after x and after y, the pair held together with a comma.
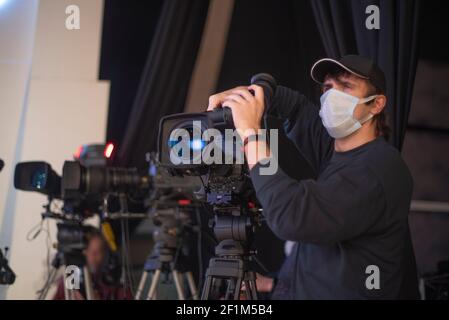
x: 216, y: 100
x: 247, y: 109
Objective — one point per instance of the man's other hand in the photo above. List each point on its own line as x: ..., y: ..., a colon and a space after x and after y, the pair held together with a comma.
x: 247, y: 109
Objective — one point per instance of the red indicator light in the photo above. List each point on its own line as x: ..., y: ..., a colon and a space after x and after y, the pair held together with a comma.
x: 78, y: 152
x: 108, y: 150
x: 184, y: 202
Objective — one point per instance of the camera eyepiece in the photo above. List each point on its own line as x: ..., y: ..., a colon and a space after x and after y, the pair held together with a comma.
x: 37, y: 176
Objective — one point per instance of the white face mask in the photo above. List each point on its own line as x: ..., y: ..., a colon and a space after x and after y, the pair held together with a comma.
x: 337, y: 113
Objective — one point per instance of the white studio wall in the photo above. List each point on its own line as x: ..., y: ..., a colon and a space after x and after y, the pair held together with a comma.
x: 17, y: 31
x: 66, y: 107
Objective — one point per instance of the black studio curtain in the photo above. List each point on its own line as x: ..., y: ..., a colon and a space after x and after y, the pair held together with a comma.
x: 165, y: 78
x: 128, y: 28
x: 279, y: 38
x: 394, y: 47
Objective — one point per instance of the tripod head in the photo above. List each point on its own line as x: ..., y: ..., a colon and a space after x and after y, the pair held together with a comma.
x: 234, y: 228
x: 235, y: 234
x: 172, y: 217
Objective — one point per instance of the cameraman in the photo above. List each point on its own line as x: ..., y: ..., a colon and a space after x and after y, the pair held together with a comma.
x: 96, y: 253
x: 350, y: 225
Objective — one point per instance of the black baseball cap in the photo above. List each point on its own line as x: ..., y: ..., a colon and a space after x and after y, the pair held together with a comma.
x: 360, y: 66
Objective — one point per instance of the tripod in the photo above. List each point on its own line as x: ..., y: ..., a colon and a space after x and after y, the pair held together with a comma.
x: 167, y: 258
x: 162, y: 261
x: 71, y: 243
x: 66, y: 259
x: 232, y: 264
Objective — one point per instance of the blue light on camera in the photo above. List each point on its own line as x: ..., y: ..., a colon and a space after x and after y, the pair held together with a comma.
x: 197, y: 144
x: 39, y: 179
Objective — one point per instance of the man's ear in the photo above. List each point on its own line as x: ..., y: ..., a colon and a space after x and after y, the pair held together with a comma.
x: 378, y: 104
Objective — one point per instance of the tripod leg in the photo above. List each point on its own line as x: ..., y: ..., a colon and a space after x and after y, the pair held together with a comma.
x: 50, y: 280
x: 192, y: 286
x: 142, y: 282
x: 67, y: 292
x: 247, y: 289
x: 70, y: 295
x: 233, y: 289
x: 88, y: 284
x: 206, y: 288
x: 229, y: 288
x: 250, y: 289
x: 216, y: 286
x: 238, y: 286
x: 154, y: 282
x: 179, y: 289
x: 252, y: 285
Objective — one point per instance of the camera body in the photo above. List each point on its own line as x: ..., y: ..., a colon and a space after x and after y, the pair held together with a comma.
x: 86, y: 178
x: 184, y: 139
x: 189, y: 144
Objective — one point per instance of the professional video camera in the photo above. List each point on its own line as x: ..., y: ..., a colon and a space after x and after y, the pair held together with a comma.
x: 186, y: 141
x: 189, y: 145
x: 39, y: 177
x: 87, y: 186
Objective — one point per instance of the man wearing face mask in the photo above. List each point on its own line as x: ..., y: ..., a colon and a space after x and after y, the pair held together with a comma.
x: 350, y: 225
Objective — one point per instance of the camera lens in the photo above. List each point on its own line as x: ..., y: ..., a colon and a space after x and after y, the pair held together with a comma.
x: 78, y: 180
